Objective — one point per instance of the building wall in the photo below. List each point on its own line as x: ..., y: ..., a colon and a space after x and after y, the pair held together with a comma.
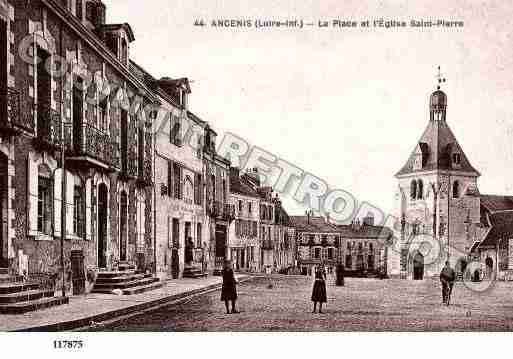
x: 245, y: 245
x: 32, y: 251
x: 440, y: 221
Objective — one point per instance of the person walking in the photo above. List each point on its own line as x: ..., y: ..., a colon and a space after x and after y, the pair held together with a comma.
x: 319, y: 288
x: 228, y: 289
x: 447, y: 278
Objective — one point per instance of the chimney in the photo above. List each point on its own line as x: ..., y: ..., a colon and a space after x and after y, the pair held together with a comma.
x: 328, y: 218
x: 307, y: 216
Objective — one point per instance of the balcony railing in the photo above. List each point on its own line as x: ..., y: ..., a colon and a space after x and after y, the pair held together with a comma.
x: 90, y: 142
x: 13, y: 119
x: 48, y: 127
x: 222, y: 211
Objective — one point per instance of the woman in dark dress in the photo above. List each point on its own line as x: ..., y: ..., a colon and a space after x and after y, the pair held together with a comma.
x: 229, y: 290
x: 319, y: 289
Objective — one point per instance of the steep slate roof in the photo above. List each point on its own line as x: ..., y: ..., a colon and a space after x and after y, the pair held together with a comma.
x: 502, y: 228
x: 239, y: 185
x: 439, y: 142
x: 315, y: 224
x: 494, y: 203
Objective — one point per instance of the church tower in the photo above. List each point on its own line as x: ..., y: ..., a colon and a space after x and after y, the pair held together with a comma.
x: 437, y: 198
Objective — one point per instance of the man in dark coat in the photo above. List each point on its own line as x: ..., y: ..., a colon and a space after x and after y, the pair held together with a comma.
x: 228, y: 289
x: 447, y: 278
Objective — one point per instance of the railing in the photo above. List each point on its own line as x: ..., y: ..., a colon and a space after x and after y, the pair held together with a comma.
x: 222, y: 211
x: 91, y: 142
x: 14, y: 117
x: 48, y: 126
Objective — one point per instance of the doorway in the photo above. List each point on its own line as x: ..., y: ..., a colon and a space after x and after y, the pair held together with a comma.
x: 4, y: 210
x: 489, y: 267
x: 418, y: 266
x: 102, y: 224
x: 123, y: 230
x: 220, y: 245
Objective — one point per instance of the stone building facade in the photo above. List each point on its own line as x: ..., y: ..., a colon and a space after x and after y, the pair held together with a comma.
x: 243, y: 238
x: 360, y: 247
x: 443, y: 215
x: 72, y: 68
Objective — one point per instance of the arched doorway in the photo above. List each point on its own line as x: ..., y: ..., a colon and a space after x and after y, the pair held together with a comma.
x: 461, y: 267
x: 123, y: 226
x: 489, y: 267
x: 102, y: 224
x: 3, y: 210
x: 418, y: 266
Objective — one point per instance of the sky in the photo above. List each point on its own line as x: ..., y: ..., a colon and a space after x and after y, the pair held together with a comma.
x: 347, y: 105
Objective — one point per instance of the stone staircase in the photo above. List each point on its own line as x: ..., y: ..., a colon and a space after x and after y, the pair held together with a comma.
x: 17, y: 297
x: 126, y: 280
x: 193, y: 272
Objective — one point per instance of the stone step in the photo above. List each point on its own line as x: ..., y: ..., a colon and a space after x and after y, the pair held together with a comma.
x: 143, y: 288
x: 29, y: 306
x: 24, y: 296
x: 123, y: 267
x: 111, y: 274
x: 107, y: 288
x: 16, y: 287
x: 123, y: 278
x: 193, y: 273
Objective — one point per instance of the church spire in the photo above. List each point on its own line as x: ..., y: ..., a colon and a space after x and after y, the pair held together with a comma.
x: 438, y: 101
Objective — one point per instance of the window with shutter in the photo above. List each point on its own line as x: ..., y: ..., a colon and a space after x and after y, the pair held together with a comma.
x: 169, y: 178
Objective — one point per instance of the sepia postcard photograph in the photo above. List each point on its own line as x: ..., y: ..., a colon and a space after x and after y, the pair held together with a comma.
x: 230, y: 167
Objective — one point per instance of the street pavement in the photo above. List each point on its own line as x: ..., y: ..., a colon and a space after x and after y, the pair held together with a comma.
x: 282, y: 303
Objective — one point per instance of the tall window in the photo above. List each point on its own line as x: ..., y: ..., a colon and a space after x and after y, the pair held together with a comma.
x: 198, y: 189
x: 43, y: 93
x: 413, y: 189
x: 250, y: 209
x: 455, y: 189
x: 456, y: 158
x: 420, y: 189
x: 140, y: 150
x: 213, y: 186
x: 198, y: 235
x: 240, y: 206
x: 317, y: 253
x: 44, y: 200
x: 3, y: 65
x: 223, y: 199
x: 174, y: 134
x: 124, y: 141
x: 330, y: 253
x: 102, y: 108
x: 79, y: 209
x: 177, y: 176
x: 79, y: 11
x: 176, y: 233
x: 124, y: 51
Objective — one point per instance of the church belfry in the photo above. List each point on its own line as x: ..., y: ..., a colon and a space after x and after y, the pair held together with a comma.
x: 438, y: 101
x: 437, y: 188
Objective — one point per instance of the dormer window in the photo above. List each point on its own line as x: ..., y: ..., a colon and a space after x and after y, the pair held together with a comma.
x: 124, y: 51
x: 456, y: 159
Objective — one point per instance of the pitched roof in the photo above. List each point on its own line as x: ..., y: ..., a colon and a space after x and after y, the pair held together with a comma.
x: 240, y: 186
x: 437, y: 143
x: 502, y: 228
x: 364, y: 231
x: 314, y: 224
x: 494, y: 203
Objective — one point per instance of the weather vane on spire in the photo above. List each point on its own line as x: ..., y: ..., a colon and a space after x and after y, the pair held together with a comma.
x: 440, y: 78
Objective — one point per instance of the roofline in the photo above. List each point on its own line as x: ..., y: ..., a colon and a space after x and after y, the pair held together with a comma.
x: 476, y: 174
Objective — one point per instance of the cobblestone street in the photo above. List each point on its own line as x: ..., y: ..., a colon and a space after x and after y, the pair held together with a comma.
x: 282, y: 303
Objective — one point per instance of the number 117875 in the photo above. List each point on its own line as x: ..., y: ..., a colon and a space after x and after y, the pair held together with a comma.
x: 68, y: 344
